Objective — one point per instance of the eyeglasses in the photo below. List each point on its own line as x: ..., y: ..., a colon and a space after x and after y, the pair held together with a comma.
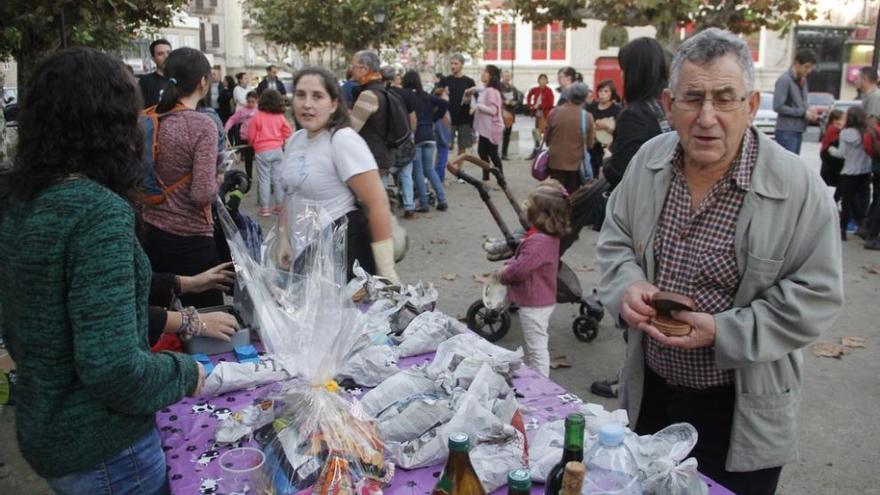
x: 724, y: 102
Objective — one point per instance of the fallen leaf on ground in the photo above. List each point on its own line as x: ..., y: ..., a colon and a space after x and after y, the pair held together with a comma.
x: 872, y: 269
x: 439, y: 241
x: 827, y: 349
x: 482, y: 277
x: 449, y: 276
x: 585, y: 268
x: 853, y: 342
x: 559, y: 362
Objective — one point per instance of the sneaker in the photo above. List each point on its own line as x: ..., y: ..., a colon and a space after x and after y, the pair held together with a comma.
x: 423, y: 209
x: 873, y: 244
x: 852, y: 227
x: 604, y: 388
x: 409, y: 214
x: 505, y: 157
x: 442, y: 207
x: 276, y: 210
x: 264, y: 212
x: 461, y: 181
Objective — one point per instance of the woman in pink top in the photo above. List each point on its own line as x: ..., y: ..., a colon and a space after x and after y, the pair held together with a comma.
x: 179, y: 232
x: 488, y: 122
x: 266, y: 133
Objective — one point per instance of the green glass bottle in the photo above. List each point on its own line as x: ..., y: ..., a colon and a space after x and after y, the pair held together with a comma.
x: 572, y: 450
x: 519, y: 482
x: 458, y: 476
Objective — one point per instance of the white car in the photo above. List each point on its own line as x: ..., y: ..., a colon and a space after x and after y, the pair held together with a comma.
x: 765, y: 119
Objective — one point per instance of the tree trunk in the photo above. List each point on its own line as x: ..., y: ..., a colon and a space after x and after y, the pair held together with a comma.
x: 27, y: 64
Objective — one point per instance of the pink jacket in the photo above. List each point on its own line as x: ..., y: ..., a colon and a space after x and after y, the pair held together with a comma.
x: 267, y: 131
x: 243, y: 115
x: 488, y: 121
x: 531, y: 274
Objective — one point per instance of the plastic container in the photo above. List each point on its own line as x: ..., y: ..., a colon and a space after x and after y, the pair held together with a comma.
x: 611, y: 467
x: 243, y: 471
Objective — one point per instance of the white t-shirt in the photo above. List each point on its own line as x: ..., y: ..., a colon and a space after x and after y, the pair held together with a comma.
x: 315, y: 170
x: 239, y: 94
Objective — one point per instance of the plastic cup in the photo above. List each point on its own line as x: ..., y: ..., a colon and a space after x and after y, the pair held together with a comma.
x: 243, y: 471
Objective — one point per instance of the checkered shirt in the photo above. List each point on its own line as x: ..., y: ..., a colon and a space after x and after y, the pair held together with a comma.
x: 695, y: 256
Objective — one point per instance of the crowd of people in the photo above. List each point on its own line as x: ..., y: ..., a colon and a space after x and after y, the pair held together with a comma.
x: 685, y: 170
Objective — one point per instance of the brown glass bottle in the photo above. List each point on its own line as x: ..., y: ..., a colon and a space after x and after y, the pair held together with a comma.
x: 458, y: 476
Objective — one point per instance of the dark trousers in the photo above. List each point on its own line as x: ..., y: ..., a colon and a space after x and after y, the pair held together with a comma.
x: 505, y: 142
x: 875, y: 196
x: 489, y: 152
x: 710, y: 411
x: 854, y: 195
x: 570, y: 180
x: 357, y: 243
x: 183, y: 255
x: 248, y: 155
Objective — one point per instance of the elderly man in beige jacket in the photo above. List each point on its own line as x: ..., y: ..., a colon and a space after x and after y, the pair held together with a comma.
x: 718, y: 212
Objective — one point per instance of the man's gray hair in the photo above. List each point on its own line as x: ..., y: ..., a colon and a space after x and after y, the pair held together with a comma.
x: 708, y: 45
x: 388, y: 72
x: 368, y: 59
x: 457, y: 56
x: 577, y: 92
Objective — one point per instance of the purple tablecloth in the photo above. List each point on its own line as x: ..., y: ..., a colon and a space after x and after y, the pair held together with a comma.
x: 187, y: 431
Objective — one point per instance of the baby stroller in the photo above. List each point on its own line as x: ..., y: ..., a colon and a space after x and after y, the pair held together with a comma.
x: 494, y: 323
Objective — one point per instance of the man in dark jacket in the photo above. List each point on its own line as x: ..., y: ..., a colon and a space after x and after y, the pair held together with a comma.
x: 271, y: 81
x: 369, y: 114
x: 790, y: 101
x: 153, y: 83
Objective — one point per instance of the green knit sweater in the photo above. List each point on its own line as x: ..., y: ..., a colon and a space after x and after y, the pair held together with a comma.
x: 73, y: 310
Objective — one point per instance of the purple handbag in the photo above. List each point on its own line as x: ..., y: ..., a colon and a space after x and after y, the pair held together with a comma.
x: 541, y: 164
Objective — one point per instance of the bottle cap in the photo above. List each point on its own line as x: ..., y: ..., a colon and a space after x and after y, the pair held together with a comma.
x: 459, y: 441
x: 611, y: 434
x: 519, y: 479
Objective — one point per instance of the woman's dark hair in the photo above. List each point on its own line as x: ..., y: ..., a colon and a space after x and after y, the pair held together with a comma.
x: 570, y: 72
x: 230, y: 82
x: 645, y: 69
x: 271, y: 102
x: 252, y: 94
x: 856, y: 118
x: 96, y: 134
x: 608, y: 83
x: 412, y: 80
x: 494, y: 76
x: 339, y: 118
x: 185, y: 68
x: 542, y: 75
x: 239, y: 76
x: 549, y: 208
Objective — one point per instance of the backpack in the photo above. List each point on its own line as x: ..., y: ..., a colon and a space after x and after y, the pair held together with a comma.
x: 397, y: 123
x: 155, y: 191
x: 871, y: 141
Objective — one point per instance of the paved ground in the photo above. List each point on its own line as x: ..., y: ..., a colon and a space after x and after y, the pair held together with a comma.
x: 837, y: 429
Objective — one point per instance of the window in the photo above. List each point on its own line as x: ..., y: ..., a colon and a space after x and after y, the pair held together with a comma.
x: 548, y: 42
x: 613, y: 36
x: 215, y: 35
x: 213, y: 3
x: 499, y: 41
x: 200, y: 4
x: 203, y: 44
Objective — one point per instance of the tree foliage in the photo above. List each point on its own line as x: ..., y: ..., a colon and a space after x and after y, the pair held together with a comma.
x: 31, y: 29
x: 315, y: 24
x: 667, y: 15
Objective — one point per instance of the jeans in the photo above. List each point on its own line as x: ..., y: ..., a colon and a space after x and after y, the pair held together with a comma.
x: 405, y: 180
x: 790, y: 140
x: 441, y: 132
x: 422, y: 168
x: 269, y: 175
x: 138, y: 469
x: 534, y: 322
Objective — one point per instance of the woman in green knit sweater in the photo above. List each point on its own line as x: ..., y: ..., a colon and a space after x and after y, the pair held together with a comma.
x: 74, y: 283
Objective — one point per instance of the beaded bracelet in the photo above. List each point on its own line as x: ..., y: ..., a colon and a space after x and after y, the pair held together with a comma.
x: 190, y: 324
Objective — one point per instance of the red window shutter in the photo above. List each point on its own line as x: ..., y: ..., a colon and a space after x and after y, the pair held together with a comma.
x: 539, y: 43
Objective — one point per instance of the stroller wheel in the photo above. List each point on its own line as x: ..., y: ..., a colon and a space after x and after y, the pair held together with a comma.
x: 490, y: 324
x: 593, y: 307
x: 585, y: 328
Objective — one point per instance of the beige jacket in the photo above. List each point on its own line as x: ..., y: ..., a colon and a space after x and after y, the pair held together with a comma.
x: 789, y: 255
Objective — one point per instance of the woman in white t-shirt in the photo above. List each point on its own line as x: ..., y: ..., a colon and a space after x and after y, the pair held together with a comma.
x: 326, y: 161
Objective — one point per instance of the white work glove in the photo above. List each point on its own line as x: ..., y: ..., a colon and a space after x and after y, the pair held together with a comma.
x: 383, y: 255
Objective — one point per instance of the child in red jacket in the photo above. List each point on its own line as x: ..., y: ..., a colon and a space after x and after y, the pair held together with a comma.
x: 266, y: 132
x: 531, y: 274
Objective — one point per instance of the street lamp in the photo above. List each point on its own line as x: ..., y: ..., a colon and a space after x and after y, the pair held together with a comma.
x: 379, y: 19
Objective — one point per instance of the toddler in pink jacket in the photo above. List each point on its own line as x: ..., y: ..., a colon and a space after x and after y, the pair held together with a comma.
x: 266, y: 132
